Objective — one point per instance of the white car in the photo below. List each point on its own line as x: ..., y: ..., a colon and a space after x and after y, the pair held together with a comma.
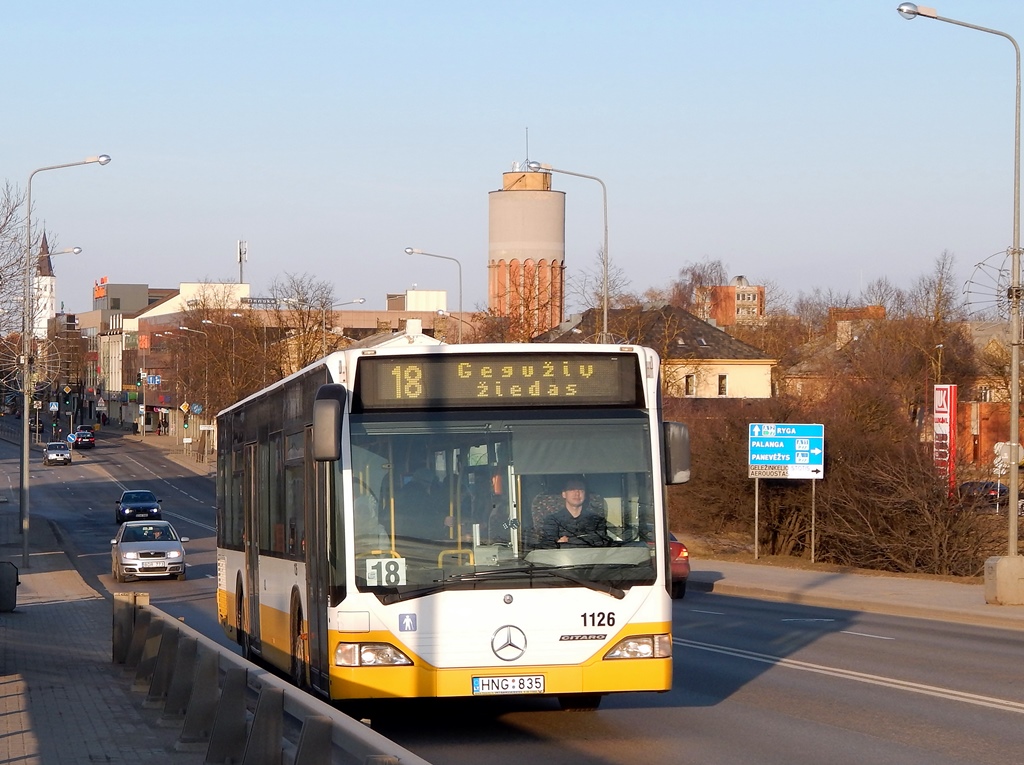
x: 147, y: 549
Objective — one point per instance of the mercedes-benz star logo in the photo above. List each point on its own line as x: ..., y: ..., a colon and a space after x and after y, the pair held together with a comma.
x: 508, y: 643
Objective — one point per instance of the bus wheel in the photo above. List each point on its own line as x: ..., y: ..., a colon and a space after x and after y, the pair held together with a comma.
x: 298, y: 649
x: 580, y: 702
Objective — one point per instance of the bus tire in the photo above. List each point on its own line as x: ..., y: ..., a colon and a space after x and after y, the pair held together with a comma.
x: 580, y: 702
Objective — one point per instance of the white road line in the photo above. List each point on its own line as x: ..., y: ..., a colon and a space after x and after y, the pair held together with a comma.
x: 860, y: 677
x: 713, y: 613
x: 867, y: 635
x: 163, y: 479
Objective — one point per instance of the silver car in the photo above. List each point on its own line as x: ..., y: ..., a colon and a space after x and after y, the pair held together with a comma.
x: 57, y: 453
x: 146, y: 549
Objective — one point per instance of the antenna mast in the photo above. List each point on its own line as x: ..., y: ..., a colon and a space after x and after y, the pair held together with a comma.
x: 242, y: 257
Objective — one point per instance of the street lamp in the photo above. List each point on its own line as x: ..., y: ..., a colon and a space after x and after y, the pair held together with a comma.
x: 206, y: 364
x: 535, y: 167
x: 229, y: 326
x: 912, y: 11
x: 414, y: 251
x: 27, y: 383
x: 450, y: 315
x: 323, y: 316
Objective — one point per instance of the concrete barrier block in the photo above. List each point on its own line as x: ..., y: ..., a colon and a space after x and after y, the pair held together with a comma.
x: 1004, y: 580
x: 227, y: 739
x: 314, y: 746
x: 138, y: 642
x: 202, y: 703
x: 163, y: 671
x: 263, y: 745
x: 180, y: 689
x: 147, y: 662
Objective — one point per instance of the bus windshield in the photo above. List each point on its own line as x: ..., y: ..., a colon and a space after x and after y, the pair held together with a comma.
x: 472, y: 500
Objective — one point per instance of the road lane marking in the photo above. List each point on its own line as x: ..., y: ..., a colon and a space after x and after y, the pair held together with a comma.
x: 860, y: 677
x: 713, y: 613
x: 867, y: 635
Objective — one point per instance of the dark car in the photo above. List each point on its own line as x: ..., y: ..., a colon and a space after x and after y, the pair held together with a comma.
x: 985, y: 495
x: 679, y: 557
x: 143, y: 549
x: 137, y: 504
x: 84, y: 439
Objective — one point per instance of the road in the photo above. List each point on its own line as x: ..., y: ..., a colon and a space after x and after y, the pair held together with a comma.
x: 754, y: 681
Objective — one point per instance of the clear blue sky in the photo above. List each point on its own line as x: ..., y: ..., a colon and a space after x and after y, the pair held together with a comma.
x: 812, y: 144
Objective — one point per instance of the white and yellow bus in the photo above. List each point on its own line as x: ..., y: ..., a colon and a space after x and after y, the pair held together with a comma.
x: 381, y: 522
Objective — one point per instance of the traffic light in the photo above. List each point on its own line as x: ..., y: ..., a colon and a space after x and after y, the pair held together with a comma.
x: 138, y: 380
x: 185, y: 425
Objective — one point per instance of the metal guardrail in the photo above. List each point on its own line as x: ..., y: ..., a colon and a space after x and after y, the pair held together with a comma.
x: 235, y: 710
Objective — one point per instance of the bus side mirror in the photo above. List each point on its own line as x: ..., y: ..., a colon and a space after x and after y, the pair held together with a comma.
x: 676, y: 437
x: 327, y: 409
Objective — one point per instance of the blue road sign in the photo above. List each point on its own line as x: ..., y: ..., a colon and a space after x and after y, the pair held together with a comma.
x: 71, y: 438
x: 786, y: 450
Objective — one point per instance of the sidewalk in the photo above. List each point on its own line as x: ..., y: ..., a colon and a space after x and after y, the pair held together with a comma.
x: 62, y: 700
x: 877, y: 593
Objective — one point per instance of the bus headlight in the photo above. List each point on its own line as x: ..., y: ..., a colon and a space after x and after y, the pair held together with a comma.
x: 369, y: 655
x: 642, y: 647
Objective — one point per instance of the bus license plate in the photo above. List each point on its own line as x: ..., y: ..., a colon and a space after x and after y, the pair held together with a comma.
x: 483, y: 686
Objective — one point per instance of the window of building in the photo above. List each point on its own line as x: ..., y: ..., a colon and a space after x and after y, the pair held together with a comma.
x: 723, y: 385
x: 690, y: 385
x: 115, y: 304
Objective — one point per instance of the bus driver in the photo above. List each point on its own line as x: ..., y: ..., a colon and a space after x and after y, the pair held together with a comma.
x: 574, y: 525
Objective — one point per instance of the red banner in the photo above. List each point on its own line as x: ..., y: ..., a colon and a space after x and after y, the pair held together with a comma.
x: 944, y: 431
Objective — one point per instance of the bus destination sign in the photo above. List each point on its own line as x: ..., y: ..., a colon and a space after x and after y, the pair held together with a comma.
x: 497, y: 380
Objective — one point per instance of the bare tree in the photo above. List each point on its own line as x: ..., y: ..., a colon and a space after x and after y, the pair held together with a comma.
x: 586, y: 289
x: 525, y: 310
x: 692, y: 277
x: 303, y: 301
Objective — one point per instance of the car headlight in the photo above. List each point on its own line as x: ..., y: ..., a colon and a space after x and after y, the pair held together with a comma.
x: 642, y: 647
x: 130, y: 555
x: 174, y: 553
x: 369, y: 655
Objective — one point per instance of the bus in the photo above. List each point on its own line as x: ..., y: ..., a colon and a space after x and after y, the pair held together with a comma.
x: 381, y: 521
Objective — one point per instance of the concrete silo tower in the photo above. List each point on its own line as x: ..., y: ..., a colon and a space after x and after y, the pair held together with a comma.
x: 526, y: 252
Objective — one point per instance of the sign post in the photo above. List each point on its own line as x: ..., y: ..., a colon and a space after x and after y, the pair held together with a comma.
x: 785, y: 450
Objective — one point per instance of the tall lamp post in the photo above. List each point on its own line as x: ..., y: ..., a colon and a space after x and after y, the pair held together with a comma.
x: 206, y: 364
x: 912, y: 11
x: 414, y: 251
x: 535, y: 167
x: 231, y: 327
x: 28, y: 322
x: 450, y: 315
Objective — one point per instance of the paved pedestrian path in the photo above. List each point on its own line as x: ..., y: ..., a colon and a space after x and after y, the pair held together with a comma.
x: 62, y: 699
